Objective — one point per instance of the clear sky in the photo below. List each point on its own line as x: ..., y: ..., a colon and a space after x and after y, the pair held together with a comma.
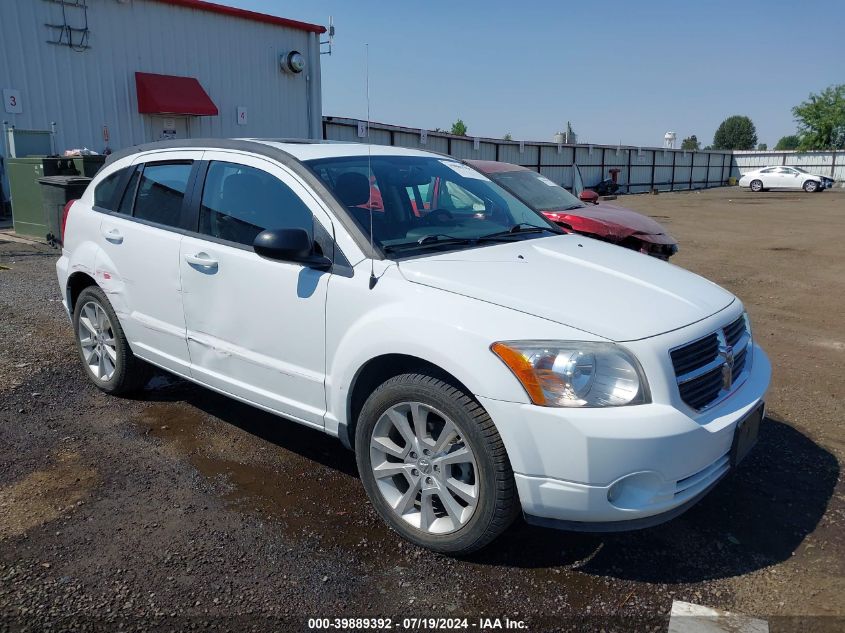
x: 624, y: 71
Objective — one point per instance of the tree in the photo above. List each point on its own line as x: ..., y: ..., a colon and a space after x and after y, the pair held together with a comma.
x: 821, y: 119
x: 735, y: 132
x: 507, y: 137
x: 691, y: 142
x: 762, y: 147
x: 459, y: 128
x: 792, y: 141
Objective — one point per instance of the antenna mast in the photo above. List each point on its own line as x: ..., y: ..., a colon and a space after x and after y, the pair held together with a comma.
x: 373, y: 278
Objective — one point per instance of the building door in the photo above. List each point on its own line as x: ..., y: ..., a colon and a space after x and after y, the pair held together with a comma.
x: 167, y: 128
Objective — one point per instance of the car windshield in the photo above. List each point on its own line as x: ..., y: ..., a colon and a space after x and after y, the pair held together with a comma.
x: 803, y: 171
x: 419, y: 204
x: 538, y: 192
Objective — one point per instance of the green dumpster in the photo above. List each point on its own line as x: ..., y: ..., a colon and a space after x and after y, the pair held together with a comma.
x: 27, y: 194
x: 56, y: 192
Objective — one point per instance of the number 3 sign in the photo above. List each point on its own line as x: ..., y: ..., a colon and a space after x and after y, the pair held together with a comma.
x: 12, y: 101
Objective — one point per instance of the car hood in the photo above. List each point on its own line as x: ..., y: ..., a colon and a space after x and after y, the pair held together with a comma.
x: 611, y: 292
x: 609, y: 221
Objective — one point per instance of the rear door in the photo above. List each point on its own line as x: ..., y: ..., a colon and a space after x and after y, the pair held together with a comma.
x: 140, y: 252
x: 256, y: 327
x: 769, y: 177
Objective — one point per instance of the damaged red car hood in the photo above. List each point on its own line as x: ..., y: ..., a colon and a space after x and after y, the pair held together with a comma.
x: 608, y: 220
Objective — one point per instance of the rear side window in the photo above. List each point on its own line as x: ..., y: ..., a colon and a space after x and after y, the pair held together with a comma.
x: 238, y: 202
x: 161, y: 192
x: 106, y: 193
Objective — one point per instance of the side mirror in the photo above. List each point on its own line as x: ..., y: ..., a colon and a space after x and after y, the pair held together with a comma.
x: 290, y: 245
x: 589, y: 196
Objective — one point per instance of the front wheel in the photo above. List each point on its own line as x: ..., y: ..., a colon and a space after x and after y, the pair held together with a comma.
x: 434, y: 466
x: 810, y: 186
x: 756, y: 186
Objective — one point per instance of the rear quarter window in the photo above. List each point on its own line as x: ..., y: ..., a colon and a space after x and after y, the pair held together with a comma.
x: 107, y: 194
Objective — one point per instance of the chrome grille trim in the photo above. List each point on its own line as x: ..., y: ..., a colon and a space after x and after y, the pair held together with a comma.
x: 705, y: 373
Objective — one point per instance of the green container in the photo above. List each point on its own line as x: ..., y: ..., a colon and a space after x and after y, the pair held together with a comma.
x: 27, y: 206
x: 27, y: 194
x: 56, y: 192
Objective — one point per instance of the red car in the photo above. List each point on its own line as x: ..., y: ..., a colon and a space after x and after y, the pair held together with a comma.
x: 596, y: 219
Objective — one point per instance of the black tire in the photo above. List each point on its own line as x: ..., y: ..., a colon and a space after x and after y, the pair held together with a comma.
x: 498, y: 504
x: 811, y: 186
x: 130, y: 373
x: 756, y: 186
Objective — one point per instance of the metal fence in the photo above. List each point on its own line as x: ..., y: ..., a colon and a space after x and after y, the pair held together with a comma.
x: 830, y: 164
x: 641, y: 169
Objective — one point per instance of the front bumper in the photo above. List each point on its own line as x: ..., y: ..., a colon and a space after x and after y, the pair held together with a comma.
x: 623, y: 467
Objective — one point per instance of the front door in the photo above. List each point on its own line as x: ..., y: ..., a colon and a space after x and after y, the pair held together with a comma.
x: 255, y: 327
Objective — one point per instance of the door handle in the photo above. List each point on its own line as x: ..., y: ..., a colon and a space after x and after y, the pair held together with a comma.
x: 113, y: 235
x: 201, y: 259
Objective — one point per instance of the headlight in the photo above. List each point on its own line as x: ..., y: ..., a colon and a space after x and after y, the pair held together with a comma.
x: 574, y: 373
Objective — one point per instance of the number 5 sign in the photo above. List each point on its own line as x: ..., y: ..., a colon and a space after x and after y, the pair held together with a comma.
x: 12, y: 101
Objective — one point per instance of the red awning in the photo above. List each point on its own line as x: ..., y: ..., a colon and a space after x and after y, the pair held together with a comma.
x: 167, y: 94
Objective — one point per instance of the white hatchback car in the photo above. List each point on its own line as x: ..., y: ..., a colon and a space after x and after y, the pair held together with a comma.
x: 478, y: 361
x: 782, y: 178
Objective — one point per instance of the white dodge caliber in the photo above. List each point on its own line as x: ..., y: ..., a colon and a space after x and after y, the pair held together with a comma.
x: 479, y: 362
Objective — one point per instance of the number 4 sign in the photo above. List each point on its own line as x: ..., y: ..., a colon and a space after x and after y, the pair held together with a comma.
x: 241, y: 115
x: 12, y: 101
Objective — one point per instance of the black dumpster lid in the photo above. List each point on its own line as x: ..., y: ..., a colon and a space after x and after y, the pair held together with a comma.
x: 64, y: 181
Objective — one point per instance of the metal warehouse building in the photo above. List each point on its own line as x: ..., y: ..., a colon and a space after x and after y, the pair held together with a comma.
x: 112, y: 73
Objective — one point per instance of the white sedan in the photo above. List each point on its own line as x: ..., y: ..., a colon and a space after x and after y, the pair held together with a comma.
x: 782, y: 178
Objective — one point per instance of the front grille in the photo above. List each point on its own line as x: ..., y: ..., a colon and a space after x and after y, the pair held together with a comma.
x: 695, y: 355
x: 734, y: 331
x: 709, y: 368
x: 701, y: 391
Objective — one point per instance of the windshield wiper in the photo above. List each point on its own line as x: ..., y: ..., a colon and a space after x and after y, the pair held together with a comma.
x: 516, y: 230
x: 427, y: 241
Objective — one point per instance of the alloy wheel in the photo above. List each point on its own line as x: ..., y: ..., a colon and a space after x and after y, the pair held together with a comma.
x: 424, y: 468
x: 96, y: 337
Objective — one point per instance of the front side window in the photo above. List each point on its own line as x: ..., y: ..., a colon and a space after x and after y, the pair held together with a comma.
x: 161, y: 192
x: 537, y: 191
x: 428, y: 204
x: 105, y: 193
x: 238, y: 202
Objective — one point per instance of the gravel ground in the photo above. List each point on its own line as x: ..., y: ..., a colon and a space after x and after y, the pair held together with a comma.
x: 181, y: 509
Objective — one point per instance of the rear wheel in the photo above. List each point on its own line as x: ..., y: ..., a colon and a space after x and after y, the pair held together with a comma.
x: 810, y: 186
x: 434, y: 466
x: 102, y: 345
x: 756, y: 186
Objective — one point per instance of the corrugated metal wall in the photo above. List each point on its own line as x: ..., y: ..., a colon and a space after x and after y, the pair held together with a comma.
x: 641, y: 169
x: 235, y: 60
x: 830, y: 164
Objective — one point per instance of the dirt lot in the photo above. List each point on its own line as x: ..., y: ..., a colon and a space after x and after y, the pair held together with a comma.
x: 180, y: 508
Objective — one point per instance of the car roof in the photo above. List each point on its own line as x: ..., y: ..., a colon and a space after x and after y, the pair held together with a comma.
x: 494, y: 167
x: 298, y: 149
x: 310, y: 150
